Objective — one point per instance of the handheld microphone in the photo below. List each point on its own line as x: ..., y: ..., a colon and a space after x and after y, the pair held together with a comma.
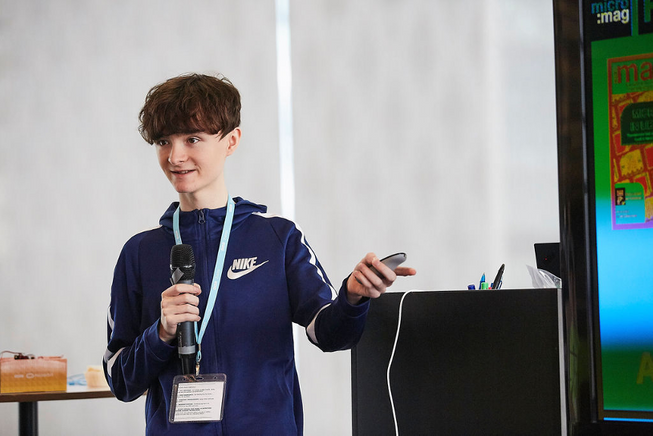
x: 182, y: 270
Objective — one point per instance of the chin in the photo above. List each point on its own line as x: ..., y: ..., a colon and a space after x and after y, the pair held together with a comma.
x: 181, y: 189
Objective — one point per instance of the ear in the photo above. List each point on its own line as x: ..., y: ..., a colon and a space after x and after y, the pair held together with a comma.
x: 233, y: 139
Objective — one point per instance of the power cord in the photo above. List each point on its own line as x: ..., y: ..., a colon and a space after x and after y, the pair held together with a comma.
x: 392, y: 355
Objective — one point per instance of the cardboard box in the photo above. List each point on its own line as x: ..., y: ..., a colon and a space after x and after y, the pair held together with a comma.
x: 41, y: 374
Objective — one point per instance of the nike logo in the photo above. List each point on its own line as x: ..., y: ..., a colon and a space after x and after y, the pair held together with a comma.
x: 242, y: 267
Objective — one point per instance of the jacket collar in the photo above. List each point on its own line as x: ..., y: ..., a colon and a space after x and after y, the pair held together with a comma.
x: 213, y: 217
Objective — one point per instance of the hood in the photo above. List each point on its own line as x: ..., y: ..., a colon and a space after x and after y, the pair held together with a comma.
x: 214, y: 217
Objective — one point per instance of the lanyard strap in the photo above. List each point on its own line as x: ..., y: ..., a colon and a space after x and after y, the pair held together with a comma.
x: 217, y: 272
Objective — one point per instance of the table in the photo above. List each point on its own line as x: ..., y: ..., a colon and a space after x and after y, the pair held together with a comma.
x: 28, y: 404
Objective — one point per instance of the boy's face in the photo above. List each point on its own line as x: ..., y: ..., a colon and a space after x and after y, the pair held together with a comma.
x: 194, y: 163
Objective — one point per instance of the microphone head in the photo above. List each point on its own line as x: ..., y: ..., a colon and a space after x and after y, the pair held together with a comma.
x: 182, y: 259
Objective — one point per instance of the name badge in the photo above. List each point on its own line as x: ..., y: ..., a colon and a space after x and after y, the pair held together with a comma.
x: 197, y: 398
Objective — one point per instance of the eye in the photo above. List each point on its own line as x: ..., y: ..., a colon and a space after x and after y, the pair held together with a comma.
x: 193, y: 140
x: 162, y: 142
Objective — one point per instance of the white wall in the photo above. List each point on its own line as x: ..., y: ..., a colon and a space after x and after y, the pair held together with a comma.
x: 421, y: 126
x: 426, y: 127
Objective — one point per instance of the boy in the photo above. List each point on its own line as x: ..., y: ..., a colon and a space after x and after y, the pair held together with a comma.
x: 266, y: 278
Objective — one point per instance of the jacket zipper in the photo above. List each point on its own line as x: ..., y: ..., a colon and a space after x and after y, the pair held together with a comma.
x: 206, y: 236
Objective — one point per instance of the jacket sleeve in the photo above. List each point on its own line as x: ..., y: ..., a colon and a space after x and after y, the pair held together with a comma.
x: 339, y: 325
x: 331, y: 322
x: 135, y: 354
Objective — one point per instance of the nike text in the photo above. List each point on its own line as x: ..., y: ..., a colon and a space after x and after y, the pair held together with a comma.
x: 242, y: 267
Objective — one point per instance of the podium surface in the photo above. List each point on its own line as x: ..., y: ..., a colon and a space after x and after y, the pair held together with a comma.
x: 466, y: 362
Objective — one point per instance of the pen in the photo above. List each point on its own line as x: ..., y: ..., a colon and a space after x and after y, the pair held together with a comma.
x: 496, y: 284
x: 483, y: 284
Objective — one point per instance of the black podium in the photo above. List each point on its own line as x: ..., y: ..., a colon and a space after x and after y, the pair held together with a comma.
x: 466, y: 363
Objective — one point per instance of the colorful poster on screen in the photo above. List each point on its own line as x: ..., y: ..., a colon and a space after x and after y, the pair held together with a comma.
x: 631, y: 140
x: 621, y: 120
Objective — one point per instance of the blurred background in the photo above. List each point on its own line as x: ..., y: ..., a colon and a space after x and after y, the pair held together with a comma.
x: 424, y: 126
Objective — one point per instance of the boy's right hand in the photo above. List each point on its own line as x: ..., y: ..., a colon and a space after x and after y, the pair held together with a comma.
x: 178, y: 304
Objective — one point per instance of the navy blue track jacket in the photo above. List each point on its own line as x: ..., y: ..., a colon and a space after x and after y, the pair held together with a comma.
x: 271, y: 279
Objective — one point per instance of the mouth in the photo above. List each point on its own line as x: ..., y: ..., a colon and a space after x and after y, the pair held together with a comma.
x: 181, y: 172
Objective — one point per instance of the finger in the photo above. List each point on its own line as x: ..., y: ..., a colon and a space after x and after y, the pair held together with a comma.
x: 360, y: 277
x: 358, y: 284
x: 179, y: 310
x: 380, y: 276
x: 181, y: 300
x: 367, y: 291
x: 167, y: 332
x: 374, y: 285
x: 183, y: 288
x: 168, y: 309
x: 405, y: 271
x: 371, y: 275
x: 187, y: 299
x: 385, y: 273
x: 172, y: 321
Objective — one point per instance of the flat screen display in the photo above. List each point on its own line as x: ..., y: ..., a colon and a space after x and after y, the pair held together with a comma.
x: 618, y: 39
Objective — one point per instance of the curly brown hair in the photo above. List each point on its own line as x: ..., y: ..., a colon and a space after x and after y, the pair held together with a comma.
x: 190, y: 103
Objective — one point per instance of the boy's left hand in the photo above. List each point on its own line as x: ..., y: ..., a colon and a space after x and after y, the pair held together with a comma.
x: 363, y: 282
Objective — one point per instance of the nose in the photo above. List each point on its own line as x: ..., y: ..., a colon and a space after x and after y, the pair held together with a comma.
x: 177, y: 153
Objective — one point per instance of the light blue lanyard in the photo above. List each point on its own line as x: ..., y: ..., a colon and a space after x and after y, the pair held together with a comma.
x: 217, y: 272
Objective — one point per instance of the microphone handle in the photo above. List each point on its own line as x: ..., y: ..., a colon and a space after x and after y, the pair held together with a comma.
x: 187, y: 347
x: 186, y: 343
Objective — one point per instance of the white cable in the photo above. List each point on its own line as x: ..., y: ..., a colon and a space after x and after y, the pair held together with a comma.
x: 392, y: 355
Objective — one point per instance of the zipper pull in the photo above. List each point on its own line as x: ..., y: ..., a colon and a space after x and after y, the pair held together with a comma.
x: 202, y: 220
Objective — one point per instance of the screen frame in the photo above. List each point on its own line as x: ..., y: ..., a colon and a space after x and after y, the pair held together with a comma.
x: 578, y: 252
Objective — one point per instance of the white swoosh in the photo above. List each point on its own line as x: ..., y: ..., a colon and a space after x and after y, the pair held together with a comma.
x: 236, y: 275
